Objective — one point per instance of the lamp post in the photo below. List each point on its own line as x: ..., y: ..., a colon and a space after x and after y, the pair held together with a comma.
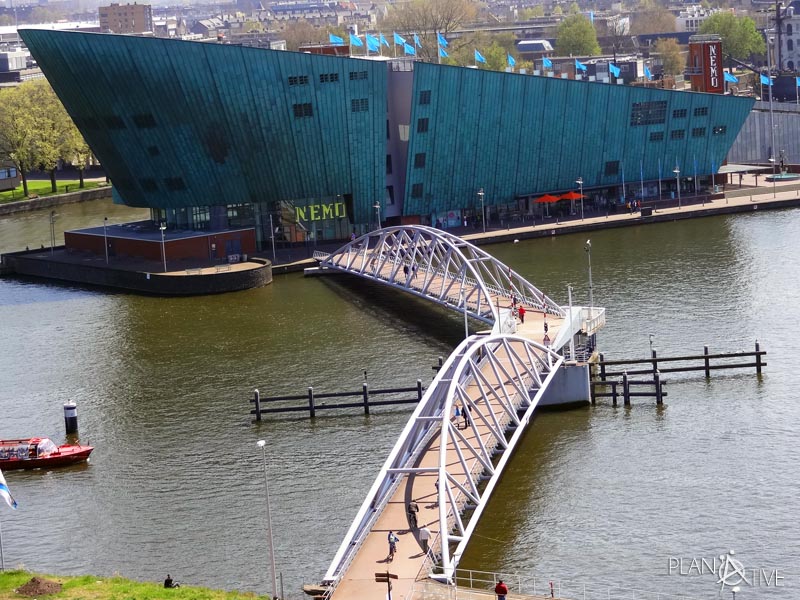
x: 481, y: 194
x: 162, y: 227
x: 105, y: 236
x: 770, y: 40
x: 579, y: 181
x: 52, y: 231
x: 588, y: 248
x: 677, y: 172
x: 263, y: 445
x: 377, y: 207
x: 772, y: 160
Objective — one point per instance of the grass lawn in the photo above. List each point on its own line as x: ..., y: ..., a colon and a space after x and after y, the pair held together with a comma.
x: 111, y: 588
x: 41, y: 187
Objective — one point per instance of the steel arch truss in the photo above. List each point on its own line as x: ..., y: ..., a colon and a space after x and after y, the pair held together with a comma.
x: 440, y: 267
x: 500, y: 379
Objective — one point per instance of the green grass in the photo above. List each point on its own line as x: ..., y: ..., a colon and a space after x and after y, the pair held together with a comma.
x: 41, y: 187
x: 88, y: 587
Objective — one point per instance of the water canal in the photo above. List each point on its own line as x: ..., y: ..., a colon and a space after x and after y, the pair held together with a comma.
x: 597, y: 494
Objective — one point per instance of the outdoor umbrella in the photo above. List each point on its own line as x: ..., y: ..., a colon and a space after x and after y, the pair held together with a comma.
x: 570, y: 196
x: 547, y: 199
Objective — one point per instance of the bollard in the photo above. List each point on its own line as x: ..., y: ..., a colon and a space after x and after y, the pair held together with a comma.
x: 626, y: 394
x: 758, y: 358
x: 655, y: 362
x: 257, y: 399
x: 614, y: 392
x: 312, y: 409
x: 602, y: 367
x: 419, y: 390
x: 705, y: 360
x: 70, y: 417
x: 366, y: 398
x: 659, y: 395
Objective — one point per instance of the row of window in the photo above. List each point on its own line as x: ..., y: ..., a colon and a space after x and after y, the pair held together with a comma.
x: 8, y: 173
x: 305, y: 109
x: 679, y: 134
x: 294, y: 80
x: 655, y: 113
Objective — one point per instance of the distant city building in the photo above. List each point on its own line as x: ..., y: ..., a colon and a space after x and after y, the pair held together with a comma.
x: 532, y: 49
x: 786, y: 49
x: 692, y: 17
x: 126, y: 18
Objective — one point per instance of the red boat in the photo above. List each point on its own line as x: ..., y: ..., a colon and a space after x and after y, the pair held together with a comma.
x: 40, y: 453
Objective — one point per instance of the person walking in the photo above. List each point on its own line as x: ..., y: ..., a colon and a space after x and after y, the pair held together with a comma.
x: 465, y: 410
x: 522, y: 314
x: 501, y: 589
x: 424, y: 537
x: 393, y: 539
x: 457, y: 416
x: 411, y: 510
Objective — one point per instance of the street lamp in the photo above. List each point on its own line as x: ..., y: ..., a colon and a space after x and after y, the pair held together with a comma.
x: 677, y: 172
x: 105, y: 236
x: 52, y: 231
x: 579, y: 181
x: 770, y: 40
x: 772, y: 160
x: 162, y: 227
x: 263, y: 445
x: 377, y: 207
x: 588, y: 248
x: 481, y: 194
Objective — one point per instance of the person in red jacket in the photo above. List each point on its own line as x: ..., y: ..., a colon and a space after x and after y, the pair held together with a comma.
x: 501, y: 589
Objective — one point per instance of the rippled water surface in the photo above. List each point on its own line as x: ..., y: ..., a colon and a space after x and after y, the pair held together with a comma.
x: 598, y: 494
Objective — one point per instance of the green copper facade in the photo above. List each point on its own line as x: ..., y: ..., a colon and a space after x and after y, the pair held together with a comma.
x: 517, y: 135
x: 181, y: 124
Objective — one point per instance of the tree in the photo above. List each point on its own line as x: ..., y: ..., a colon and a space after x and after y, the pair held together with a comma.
x: 653, y: 20
x: 576, y: 36
x: 426, y: 17
x: 671, y: 56
x: 302, y: 32
x: 557, y: 10
x: 739, y: 36
x: 17, y: 131
x: 52, y: 125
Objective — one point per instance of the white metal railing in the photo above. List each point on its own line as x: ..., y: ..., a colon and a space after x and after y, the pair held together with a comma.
x: 479, y: 585
x: 594, y: 319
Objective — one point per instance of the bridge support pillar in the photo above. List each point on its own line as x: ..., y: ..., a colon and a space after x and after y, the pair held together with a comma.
x: 570, y: 386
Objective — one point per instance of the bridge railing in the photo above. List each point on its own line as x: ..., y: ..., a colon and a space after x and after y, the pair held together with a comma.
x: 594, y: 319
x: 479, y: 585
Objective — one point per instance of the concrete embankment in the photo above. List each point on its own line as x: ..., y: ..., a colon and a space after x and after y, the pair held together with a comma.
x: 9, y: 208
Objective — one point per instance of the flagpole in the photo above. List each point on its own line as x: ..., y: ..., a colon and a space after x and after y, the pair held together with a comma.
x: 623, y: 181
x: 659, y: 178
x: 641, y: 176
x: 2, y: 557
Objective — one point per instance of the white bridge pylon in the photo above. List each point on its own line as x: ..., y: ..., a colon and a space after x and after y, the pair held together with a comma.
x: 438, y: 266
x: 499, y: 379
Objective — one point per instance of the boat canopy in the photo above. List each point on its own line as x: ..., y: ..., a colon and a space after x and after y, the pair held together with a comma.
x: 45, y: 447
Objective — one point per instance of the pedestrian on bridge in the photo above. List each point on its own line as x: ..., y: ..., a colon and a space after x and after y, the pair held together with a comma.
x: 522, y: 314
x: 465, y: 410
x: 411, y: 510
x: 501, y: 589
x: 424, y: 537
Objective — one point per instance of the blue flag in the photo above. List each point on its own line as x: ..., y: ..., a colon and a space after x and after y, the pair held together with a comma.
x: 409, y: 49
x: 766, y: 80
x: 613, y: 69
x: 398, y: 41
x: 647, y: 73
x: 335, y: 39
x: 416, y: 41
x: 442, y: 40
x: 579, y: 66
x: 383, y: 41
x: 479, y: 57
x: 443, y: 53
x: 730, y: 78
x: 5, y: 493
x: 355, y: 40
x: 372, y: 43
x: 511, y: 61
x: 547, y: 63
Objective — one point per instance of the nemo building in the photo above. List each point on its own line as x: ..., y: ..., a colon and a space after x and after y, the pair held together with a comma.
x: 315, y: 147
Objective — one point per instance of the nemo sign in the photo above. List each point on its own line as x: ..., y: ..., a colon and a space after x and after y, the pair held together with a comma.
x: 320, y: 212
x: 713, y: 70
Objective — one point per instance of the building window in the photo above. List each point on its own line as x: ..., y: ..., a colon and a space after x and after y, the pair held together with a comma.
x: 612, y: 167
x: 114, y: 122
x: 656, y: 136
x: 388, y: 131
x: 648, y: 113
x: 419, y: 160
x: 356, y: 75
x: 677, y: 134
x: 425, y: 97
x: 145, y: 121
x: 416, y: 190
x: 388, y: 164
x: 359, y: 105
x: 422, y: 125
x: 388, y: 199
x: 679, y: 113
x: 302, y: 110
x: 328, y: 77
x: 298, y: 79
x: 789, y: 30
x: 153, y: 150
x: 699, y: 132
x: 720, y: 130
x: 174, y: 184
x: 790, y: 65
x: 402, y: 130
x: 701, y: 111
x: 790, y: 45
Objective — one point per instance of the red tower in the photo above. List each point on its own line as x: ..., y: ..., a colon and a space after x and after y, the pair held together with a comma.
x: 704, y: 67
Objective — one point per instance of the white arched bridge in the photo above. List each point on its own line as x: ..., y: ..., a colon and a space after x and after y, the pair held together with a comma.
x: 449, y: 466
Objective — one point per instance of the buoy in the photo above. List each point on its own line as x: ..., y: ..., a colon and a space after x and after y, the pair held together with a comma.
x: 70, y: 417
x: 516, y: 241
